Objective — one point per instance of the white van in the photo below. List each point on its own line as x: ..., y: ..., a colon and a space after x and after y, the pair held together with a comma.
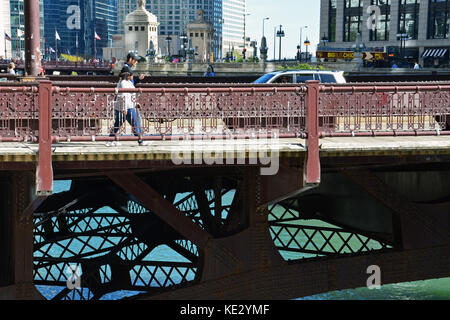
x: 301, y: 76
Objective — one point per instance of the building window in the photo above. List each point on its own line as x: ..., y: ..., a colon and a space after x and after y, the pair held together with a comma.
x: 142, y: 28
x: 439, y: 20
x: 409, y: 18
x: 353, y: 15
x: 130, y: 28
x: 332, y: 21
x: 136, y: 28
x: 381, y: 32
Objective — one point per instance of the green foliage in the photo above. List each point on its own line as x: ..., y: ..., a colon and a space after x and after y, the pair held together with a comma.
x: 301, y: 66
x: 253, y: 60
x: 239, y: 57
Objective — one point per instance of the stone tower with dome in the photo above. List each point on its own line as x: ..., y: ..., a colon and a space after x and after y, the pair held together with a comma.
x: 201, y: 34
x: 141, y: 31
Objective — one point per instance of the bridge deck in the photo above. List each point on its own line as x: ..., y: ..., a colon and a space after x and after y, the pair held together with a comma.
x: 287, y: 148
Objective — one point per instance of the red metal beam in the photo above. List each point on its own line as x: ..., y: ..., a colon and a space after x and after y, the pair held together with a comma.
x: 287, y: 183
x: 165, y: 210
x: 44, y: 174
x: 312, y: 167
x: 32, y: 38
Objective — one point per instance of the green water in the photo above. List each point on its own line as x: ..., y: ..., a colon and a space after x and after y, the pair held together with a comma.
x: 436, y: 289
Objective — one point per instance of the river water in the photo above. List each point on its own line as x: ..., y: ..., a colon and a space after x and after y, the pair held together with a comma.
x: 436, y: 289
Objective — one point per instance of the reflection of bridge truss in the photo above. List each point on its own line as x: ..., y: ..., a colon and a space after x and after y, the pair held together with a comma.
x: 298, y: 238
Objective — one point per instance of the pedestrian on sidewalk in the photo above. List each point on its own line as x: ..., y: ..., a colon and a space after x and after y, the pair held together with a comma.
x: 125, y: 107
x: 132, y: 60
x: 11, y: 68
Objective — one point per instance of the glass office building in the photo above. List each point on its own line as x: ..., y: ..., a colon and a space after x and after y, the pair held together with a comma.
x: 18, y: 23
x: 233, y: 14
x: 424, y: 24
x: 79, y: 20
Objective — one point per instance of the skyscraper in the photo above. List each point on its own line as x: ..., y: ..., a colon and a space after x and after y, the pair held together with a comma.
x: 124, y: 7
x: 5, y: 26
x: 233, y: 13
x: 18, y: 23
x: 76, y: 22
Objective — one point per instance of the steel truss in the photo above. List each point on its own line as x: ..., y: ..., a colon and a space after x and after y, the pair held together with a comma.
x: 117, y: 244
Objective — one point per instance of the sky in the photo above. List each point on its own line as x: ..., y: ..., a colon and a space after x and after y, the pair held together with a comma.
x: 292, y: 15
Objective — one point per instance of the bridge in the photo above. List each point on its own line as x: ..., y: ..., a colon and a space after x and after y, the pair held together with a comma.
x: 66, y: 68
x: 256, y: 191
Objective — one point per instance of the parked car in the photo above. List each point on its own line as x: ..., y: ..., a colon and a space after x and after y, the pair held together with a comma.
x: 301, y: 76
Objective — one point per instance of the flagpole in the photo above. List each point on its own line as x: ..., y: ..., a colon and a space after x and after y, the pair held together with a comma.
x: 95, y: 45
x: 56, y: 44
x: 76, y: 61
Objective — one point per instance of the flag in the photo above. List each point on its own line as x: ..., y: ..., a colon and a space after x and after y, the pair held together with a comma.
x: 57, y: 35
x: 96, y: 36
x: 7, y: 37
x: 20, y: 33
x: 52, y: 50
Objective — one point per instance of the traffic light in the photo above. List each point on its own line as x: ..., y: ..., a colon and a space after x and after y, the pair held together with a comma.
x: 244, y: 51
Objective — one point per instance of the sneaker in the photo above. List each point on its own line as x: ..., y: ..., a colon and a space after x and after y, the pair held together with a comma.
x: 113, y: 144
x: 143, y: 143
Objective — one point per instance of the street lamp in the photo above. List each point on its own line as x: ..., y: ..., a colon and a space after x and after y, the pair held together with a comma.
x: 403, y: 36
x: 301, y: 40
x: 358, y: 48
x: 245, y: 21
x: 307, y: 44
x: 263, y: 24
x: 221, y: 23
x: 280, y: 34
x: 169, y: 40
x: 183, y: 39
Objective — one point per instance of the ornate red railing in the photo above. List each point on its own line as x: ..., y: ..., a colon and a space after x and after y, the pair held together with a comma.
x: 384, y: 110
x: 50, y: 114
x: 81, y: 114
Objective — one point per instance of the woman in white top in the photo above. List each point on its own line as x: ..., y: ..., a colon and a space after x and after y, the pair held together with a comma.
x: 11, y: 68
x: 125, y: 107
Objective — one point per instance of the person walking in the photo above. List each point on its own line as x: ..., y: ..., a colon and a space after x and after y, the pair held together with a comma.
x: 125, y: 107
x: 209, y: 71
x: 11, y: 68
x: 132, y: 60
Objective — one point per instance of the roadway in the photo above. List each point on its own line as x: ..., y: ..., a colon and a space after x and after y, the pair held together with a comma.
x: 17, y: 152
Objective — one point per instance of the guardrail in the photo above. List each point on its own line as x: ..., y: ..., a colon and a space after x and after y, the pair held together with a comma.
x: 81, y: 114
x: 49, y: 114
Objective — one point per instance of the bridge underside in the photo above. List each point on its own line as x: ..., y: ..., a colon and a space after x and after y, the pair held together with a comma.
x: 146, y: 232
